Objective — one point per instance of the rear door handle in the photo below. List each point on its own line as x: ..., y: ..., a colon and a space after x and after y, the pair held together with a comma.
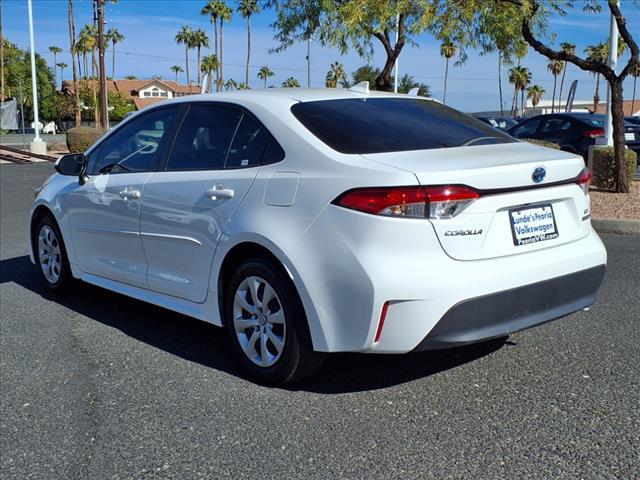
x: 219, y: 193
x: 130, y: 194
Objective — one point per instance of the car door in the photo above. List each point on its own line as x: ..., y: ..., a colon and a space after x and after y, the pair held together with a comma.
x: 555, y: 130
x: 526, y: 129
x: 104, y: 213
x: 214, y: 159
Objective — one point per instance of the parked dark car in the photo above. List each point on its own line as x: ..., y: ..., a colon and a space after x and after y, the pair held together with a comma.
x: 634, y: 120
x: 574, y: 132
x: 501, y: 123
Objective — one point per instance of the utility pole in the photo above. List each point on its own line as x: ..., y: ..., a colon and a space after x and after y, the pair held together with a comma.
x: 104, y: 111
x: 309, y: 61
x: 36, y: 145
x: 1, y: 58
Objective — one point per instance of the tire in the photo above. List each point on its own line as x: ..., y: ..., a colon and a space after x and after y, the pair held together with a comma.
x: 50, y: 255
x: 278, y: 326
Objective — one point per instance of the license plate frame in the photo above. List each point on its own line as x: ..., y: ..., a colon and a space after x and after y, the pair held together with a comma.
x: 528, y: 224
x: 629, y: 136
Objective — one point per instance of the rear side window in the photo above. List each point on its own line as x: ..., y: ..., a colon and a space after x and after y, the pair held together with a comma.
x: 376, y: 125
x: 524, y: 129
x: 248, y: 144
x: 204, y: 138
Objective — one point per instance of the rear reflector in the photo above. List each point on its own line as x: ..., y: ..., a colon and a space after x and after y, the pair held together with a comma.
x: 442, y: 201
x: 383, y: 315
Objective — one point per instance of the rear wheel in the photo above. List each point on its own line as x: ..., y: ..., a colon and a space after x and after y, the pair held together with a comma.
x: 51, y: 255
x: 267, y: 325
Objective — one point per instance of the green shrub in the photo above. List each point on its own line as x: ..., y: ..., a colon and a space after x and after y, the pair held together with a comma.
x: 79, y: 139
x: 542, y: 143
x: 603, y: 165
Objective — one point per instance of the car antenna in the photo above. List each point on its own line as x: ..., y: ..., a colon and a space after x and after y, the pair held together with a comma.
x: 414, y: 91
x: 361, y: 87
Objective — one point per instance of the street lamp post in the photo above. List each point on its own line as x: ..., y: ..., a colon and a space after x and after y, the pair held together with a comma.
x: 36, y: 145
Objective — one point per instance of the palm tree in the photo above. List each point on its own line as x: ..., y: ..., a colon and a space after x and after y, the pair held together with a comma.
x: 184, y: 37
x: 176, y: 69
x: 243, y: 86
x: 55, y: 50
x: 72, y: 41
x: 520, y: 77
x: 555, y: 67
x: 635, y: 71
x: 199, y: 40
x: 225, y: 13
x: 597, y: 53
x: 208, y: 66
x: 213, y: 9
x: 291, y: 82
x: 231, y: 84
x: 115, y: 37
x: 570, y: 49
x: 447, y: 50
x: 246, y: 9
x: 335, y: 74
x: 535, y: 93
x: 264, y: 74
x: 61, y: 66
x: 89, y: 41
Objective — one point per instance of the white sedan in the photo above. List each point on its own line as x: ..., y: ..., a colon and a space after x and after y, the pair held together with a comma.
x: 313, y: 221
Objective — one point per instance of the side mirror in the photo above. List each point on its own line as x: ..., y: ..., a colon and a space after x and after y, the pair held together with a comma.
x: 73, y: 164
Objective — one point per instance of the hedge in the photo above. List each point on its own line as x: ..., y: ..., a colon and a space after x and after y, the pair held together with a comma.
x: 603, y: 167
x: 542, y: 143
x: 79, y: 139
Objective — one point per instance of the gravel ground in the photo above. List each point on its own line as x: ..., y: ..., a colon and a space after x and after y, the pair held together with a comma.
x: 624, y: 206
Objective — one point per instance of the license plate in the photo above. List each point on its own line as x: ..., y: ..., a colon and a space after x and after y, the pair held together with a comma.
x: 532, y: 224
x: 629, y: 136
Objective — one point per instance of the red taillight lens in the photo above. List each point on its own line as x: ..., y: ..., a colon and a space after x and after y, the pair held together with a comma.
x: 415, y: 202
x: 383, y: 316
x: 595, y: 133
x: 584, y: 179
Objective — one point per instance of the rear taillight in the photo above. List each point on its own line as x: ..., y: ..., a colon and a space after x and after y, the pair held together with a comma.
x: 584, y: 179
x: 595, y: 133
x: 443, y: 201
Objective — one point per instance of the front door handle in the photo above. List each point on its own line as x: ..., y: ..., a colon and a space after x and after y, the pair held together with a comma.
x: 130, y: 194
x: 219, y: 193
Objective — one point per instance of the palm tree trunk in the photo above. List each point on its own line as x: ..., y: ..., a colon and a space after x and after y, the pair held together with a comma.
x: 265, y: 84
x: 55, y: 71
x: 553, y: 97
x: 500, y: 82
x: 72, y: 39
x: 564, y: 71
x: 221, y: 76
x: 633, y: 97
x: 86, y: 66
x: 522, y: 102
x: 248, y: 49
x: 514, y: 102
x: 198, y: 63
x: 176, y: 76
x: 113, y: 61
x: 596, y: 94
x: 446, y: 75
x: 186, y: 58
x: 215, y: 41
x: 94, y: 81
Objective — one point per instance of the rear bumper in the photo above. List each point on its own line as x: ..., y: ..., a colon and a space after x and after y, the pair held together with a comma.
x: 509, y: 311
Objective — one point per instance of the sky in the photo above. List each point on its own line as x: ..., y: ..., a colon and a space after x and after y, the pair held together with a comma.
x: 149, y: 49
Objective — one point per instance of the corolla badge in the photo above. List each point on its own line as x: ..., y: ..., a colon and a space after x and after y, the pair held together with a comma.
x: 538, y: 174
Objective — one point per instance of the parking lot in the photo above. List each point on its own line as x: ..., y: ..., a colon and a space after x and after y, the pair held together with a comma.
x: 96, y: 385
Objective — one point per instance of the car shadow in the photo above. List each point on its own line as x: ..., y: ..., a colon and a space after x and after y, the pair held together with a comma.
x: 206, y: 344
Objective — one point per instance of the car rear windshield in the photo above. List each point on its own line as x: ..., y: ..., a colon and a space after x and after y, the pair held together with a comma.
x: 377, y: 125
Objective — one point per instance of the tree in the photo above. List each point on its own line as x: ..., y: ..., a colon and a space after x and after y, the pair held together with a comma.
x: 209, y: 65
x: 199, y: 39
x: 74, y: 61
x: 291, y: 82
x: 243, y: 86
x: 61, y: 66
x: 176, y: 69
x: 569, y: 48
x: 212, y: 10
x: 635, y: 71
x: 225, y: 16
x: 447, y: 50
x: 115, y: 37
x: 55, y: 50
x: 130, y: 77
x: 184, y: 37
x: 356, y: 23
x: 520, y: 77
x: 555, y: 67
x: 596, y: 53
x: 89, y: 40
x: 231, y: 84
x: 407, y: 83
x: 246, y: 9
x: 535, y: 93
x: 264, y: 74
x: 366, y: 73
x: 335, y: 74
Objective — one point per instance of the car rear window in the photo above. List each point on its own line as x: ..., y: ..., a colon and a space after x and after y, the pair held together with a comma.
x: 377, y: 125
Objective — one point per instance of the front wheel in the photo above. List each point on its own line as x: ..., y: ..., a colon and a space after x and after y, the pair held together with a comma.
x: 50, y: 254
x: 267, y: 325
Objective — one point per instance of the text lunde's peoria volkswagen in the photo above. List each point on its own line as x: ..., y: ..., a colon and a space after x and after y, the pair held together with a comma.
x: 312, y: 221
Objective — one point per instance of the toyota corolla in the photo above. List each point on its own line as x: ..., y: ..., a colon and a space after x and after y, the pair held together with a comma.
x: 314, y: 221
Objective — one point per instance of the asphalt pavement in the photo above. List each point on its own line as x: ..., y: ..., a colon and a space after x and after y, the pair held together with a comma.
x: 95, y: 385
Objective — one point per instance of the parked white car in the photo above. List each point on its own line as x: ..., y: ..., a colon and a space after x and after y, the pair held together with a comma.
x: 312, y: 221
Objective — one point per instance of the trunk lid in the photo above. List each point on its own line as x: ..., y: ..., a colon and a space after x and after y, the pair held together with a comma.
x: 514, y: 214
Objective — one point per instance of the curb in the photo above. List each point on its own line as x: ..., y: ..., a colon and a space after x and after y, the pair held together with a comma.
x: 612, y: 225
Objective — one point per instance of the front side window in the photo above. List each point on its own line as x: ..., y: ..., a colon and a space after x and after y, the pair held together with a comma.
x: 134, y: 147
x: 377, y: 125
x: 204, y: 139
